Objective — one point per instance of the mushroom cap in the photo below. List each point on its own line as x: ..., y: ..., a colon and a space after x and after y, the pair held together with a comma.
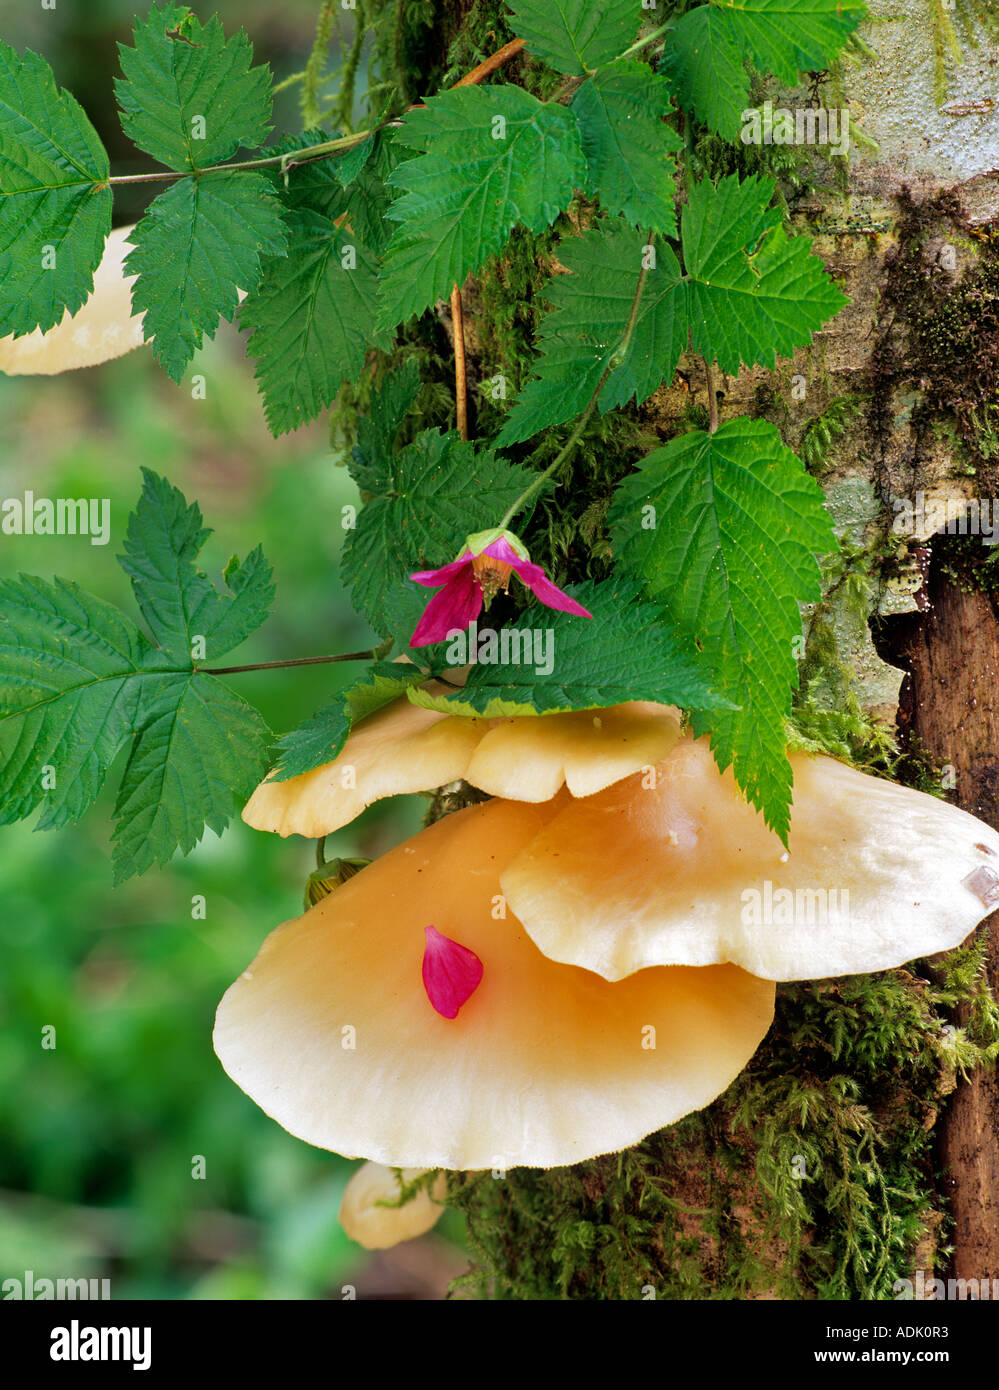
x: 400, y: 748
x: 686, y: 872
x: 379, y: 1227
x: 331, y: 1033
x: 102, y: 328
x: 406, y: 748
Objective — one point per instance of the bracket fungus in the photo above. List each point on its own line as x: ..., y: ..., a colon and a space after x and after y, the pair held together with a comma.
x: 371, y: 1215
x: 331, y: 1032
x: 102, y: 328
x: 405, y: 748
x: 686, y: 872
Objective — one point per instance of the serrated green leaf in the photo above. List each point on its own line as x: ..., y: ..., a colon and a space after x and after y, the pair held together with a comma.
x: 753, y: 292
x: 319, y: 740
x: 492, y: 157
x: 627, y: 146
x: 191, y: 98
x: 576, y: 36
x: 560, y: 661
x: 199, y: 754
x: 312, y: 320
x: 55, y: 202
x: 582, y: 335
x: 71, y: 670
x: 378, y: 431
x: 736, y: 525
x: 181, y: 605
x: 707, y: 50
x: 199, y: 243
x: 426, y: 500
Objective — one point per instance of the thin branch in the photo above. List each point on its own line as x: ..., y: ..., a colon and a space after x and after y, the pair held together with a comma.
x: 490, y: 64
x: 294, y: 661
x: 613, y: 362
x: 460, y: 372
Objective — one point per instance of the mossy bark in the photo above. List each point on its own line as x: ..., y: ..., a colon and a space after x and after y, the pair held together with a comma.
x: 862, y: 1143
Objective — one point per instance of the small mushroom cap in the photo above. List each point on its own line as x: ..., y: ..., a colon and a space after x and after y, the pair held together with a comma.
x: 379, y: 1227
x: 102, y: 328
x: 686, y: 872
x: 529, y: 759
x: 405, y: 748
x: 401, y: 748
x: 331, y: 1033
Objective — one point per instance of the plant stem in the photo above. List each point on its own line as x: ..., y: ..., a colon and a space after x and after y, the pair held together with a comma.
x: 712, y: 397
x: 649, y: 38
x: 613, y: 362
x: 327, y: 147
x: 293, y: 661
x: 460, y: 371
x: 490, y: 64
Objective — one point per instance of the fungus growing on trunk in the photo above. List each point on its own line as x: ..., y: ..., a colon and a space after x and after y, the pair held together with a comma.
x: 331, y: 1032
x: 686, y: 872
x: 404, y: 748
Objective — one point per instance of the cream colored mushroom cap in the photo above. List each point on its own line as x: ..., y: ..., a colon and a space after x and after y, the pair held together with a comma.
x: 686, y: 872
x: 331, y: 1033
x: 529, y: 759
x: 399, y: 749
x: 406, y: 748
x: 379, y: 1227
x: 102, y: 328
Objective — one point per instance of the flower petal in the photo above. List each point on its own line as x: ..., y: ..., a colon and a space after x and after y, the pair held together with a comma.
x: 454, y: 607
x: 686, y: 872
x: 451, y: 973
x: 433, y: 579
x: 543, y: 588
x: 547, y: 1065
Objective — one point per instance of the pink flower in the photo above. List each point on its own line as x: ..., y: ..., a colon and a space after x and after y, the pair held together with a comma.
x: 451, y: 973
x: 483, y: 567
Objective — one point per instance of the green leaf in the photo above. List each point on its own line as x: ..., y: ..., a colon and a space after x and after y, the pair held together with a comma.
x: 582, y: 335
x: 320, y: 739
x: 199, y: 243
x: 560, y: 661
x: 707, y: 50
x: 576, y: 36
x: 426, y: 500
x: 71, y: 671
x: 729, y: 548
x: 312, y: 320
x: 627, y: 146
x: 79, y: 681
x: 55, y: 203
x: 191, y: 98
x: 164, y: 538
x: 198, y: 755
x: 492, y: 157
x: 378, y: 431
x: 753, y: 292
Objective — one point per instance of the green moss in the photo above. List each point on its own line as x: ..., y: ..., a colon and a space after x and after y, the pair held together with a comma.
x: 812, y: 1177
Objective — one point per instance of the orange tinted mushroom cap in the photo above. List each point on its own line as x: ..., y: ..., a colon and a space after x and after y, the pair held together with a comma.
x: 686, y: 872
x: 405, y: 748
x: 331, y: 1031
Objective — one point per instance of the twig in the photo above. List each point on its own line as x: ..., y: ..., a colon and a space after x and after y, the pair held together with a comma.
x: 712, y: 397
x: 293, y: 661
x: 460, y: 374
x: 490, y: 64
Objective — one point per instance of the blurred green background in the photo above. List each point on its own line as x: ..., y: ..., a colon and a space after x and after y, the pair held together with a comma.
x: 100, y: 1135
